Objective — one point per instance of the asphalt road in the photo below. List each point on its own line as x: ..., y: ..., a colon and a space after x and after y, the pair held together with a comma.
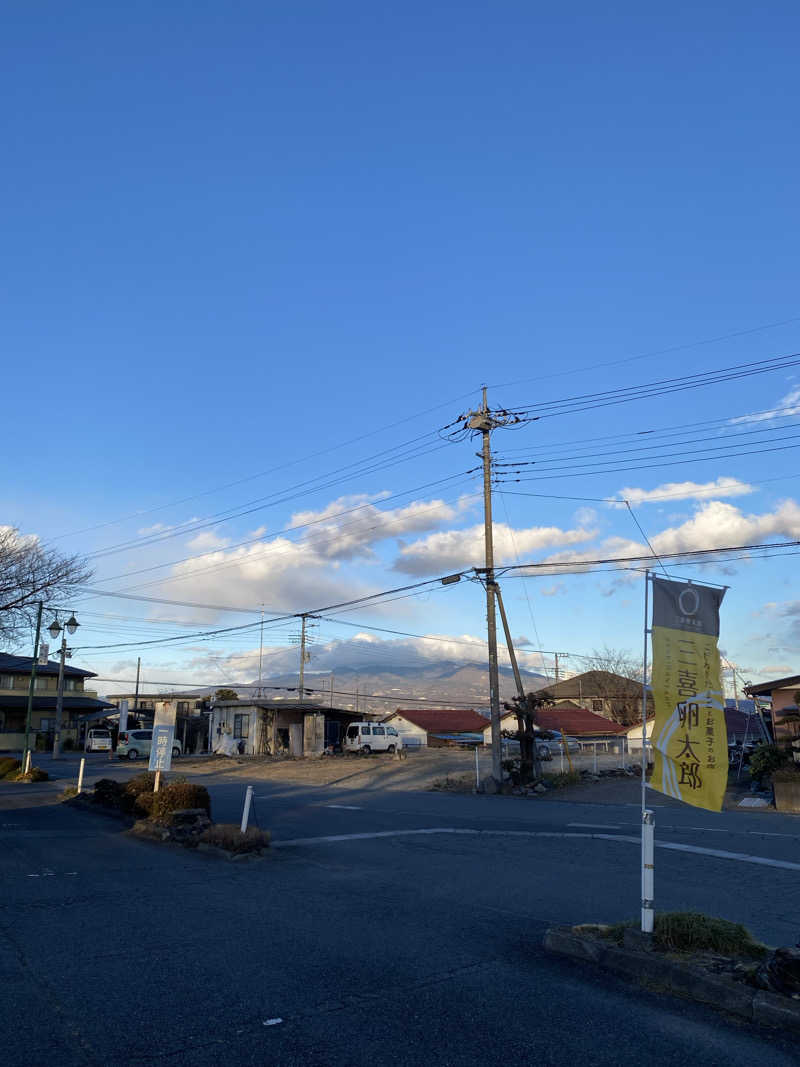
x: 400, y: 928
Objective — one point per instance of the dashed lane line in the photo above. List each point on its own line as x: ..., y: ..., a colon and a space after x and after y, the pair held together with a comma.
x: 717, y: 853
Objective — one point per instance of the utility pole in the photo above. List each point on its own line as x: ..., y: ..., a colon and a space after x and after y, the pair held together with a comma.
x: 32, y: 685
x: 136, y: 695
x: 485, y: 422
x: 331, y: 688
x: 261, y: 652
x: 557, y: 654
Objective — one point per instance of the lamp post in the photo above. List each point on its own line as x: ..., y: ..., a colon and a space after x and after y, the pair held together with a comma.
x: 55, y: 628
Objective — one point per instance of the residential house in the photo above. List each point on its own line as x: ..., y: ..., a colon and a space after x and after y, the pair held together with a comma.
x: 278, y: 727
x: 436, y: 727
x: 784, y: 695
x: 190, y: 711
x: 15, y: 677
x: 604, y: 693
x: 570, y: 719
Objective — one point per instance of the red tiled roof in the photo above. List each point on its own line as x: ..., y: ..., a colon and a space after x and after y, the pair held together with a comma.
x: 575, y: 721
x: 443, y: 721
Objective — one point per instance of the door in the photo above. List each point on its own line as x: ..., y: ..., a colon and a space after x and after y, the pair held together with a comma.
x: 296, y: 739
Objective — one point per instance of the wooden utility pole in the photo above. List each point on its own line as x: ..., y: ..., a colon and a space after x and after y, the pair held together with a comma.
x: 32, y: 685
x: 485, y: 422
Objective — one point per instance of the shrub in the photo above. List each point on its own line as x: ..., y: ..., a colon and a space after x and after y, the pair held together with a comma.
x: 9, y: 767
x: 691, y: 931
x: 68, y: 744
x: 765, y: 760
x: 35, y: 774
x: 561, y: 781
x: 230, y: 837
x: 177, y: 796
x: 68, y: 793
x: 142, y: 783
x: 143, y: 802
x: 110, y: 793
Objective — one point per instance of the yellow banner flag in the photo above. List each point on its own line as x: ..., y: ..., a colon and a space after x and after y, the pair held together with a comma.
x: 690, y: 738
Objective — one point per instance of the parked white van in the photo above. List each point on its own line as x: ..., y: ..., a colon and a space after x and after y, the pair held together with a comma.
x: 371, y: 737
x: 98, y: 740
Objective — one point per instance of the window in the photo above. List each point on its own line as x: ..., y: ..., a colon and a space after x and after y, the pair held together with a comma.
x: 183, y: 707
x: 365, y: 730
x: 390, y: 730
x: 241, y: 725
x: 40, y: 683
x: 46, y: 725
x: 597, y: 707
x: 70, y: 684
x: 6, y: 681
x: 378, y: 731
x: 352, y: 731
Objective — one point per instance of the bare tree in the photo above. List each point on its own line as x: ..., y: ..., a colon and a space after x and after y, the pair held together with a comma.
x: 30, y: 573
x: 616, y: 661
x: 526, y: 709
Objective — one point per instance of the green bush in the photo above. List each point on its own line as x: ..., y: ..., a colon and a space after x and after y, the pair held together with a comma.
x: 765, y: 760
x: 68, y: 744
x: 178, y: 796
x: 691, y: 931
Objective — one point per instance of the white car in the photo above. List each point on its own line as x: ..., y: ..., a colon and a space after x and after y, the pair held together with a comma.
x: 98, y: 739
x: 369, y: 737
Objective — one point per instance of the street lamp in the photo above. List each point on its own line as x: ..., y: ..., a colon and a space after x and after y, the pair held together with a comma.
x: 55, y: 628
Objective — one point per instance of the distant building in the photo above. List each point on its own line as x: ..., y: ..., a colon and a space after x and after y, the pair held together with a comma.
x: 15, y: 677
x: 278, y: 727
x: 604, y: 693
x: 436, y: 727
x: 570, y: 719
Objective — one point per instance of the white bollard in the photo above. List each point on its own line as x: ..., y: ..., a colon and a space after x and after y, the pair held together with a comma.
x: 248, y: 799
x: 28, y: 759
x: 648, y: 871
x: 561, y: 753
x: 595, y: 757
x: 477, y: 770
x: 80, y: 774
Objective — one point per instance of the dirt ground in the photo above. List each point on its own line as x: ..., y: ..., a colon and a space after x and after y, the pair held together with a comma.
x: 418, y: 771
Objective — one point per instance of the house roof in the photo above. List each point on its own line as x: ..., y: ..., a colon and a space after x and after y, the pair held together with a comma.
x: 22, y: 665
x: 766, y: 688
x: 442, y: 720
x: 48, y: 703
x: 576, y: 721
x: 603, y: 684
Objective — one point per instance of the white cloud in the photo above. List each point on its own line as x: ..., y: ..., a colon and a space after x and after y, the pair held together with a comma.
x: 208, y: 541
x: 363, y: 651
x: 301, y: 574
x: 336, y: 535
x: 789, y: 405
x: 721, y: 487
x: 554, y: 590
x: 717, y: 524
x: 453, y: 549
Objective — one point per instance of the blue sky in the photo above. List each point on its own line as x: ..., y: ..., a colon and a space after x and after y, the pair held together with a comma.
x: 241, y: 239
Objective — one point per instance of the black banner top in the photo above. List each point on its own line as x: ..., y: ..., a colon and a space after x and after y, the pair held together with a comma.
x: 684, y: 606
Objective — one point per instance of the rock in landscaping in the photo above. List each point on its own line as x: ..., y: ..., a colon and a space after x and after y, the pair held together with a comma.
x: 781, y: 972
x: 540, y: 788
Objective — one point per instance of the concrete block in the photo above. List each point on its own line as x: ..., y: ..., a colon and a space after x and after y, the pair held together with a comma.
x: 770, y: 1009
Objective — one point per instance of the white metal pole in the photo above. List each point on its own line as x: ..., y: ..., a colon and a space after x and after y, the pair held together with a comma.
x: 595, y: 757
x: 28, y: 757
x: 477, y: 770
x: 157, y: 782
x: 80, y: 773
x: 648, y: 871
x: 648, y: 817
x: 561, y: 753
x: 248, y: 799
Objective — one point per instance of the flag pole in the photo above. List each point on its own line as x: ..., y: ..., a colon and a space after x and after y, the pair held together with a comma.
x: 648, y: 817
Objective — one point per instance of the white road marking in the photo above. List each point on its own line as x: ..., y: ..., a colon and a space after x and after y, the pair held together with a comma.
x: 741, y: 857
x: 272, y: 1022
x: 594, y: 826
x: 345, y: 807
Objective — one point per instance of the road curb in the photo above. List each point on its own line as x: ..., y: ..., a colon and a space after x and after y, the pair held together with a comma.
x: 679, y: 978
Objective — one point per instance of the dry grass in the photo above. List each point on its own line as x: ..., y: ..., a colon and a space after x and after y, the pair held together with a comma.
x: 454, y: 783
x: 230, y: 837
x: 35, y: 774
x: 9, y: 767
